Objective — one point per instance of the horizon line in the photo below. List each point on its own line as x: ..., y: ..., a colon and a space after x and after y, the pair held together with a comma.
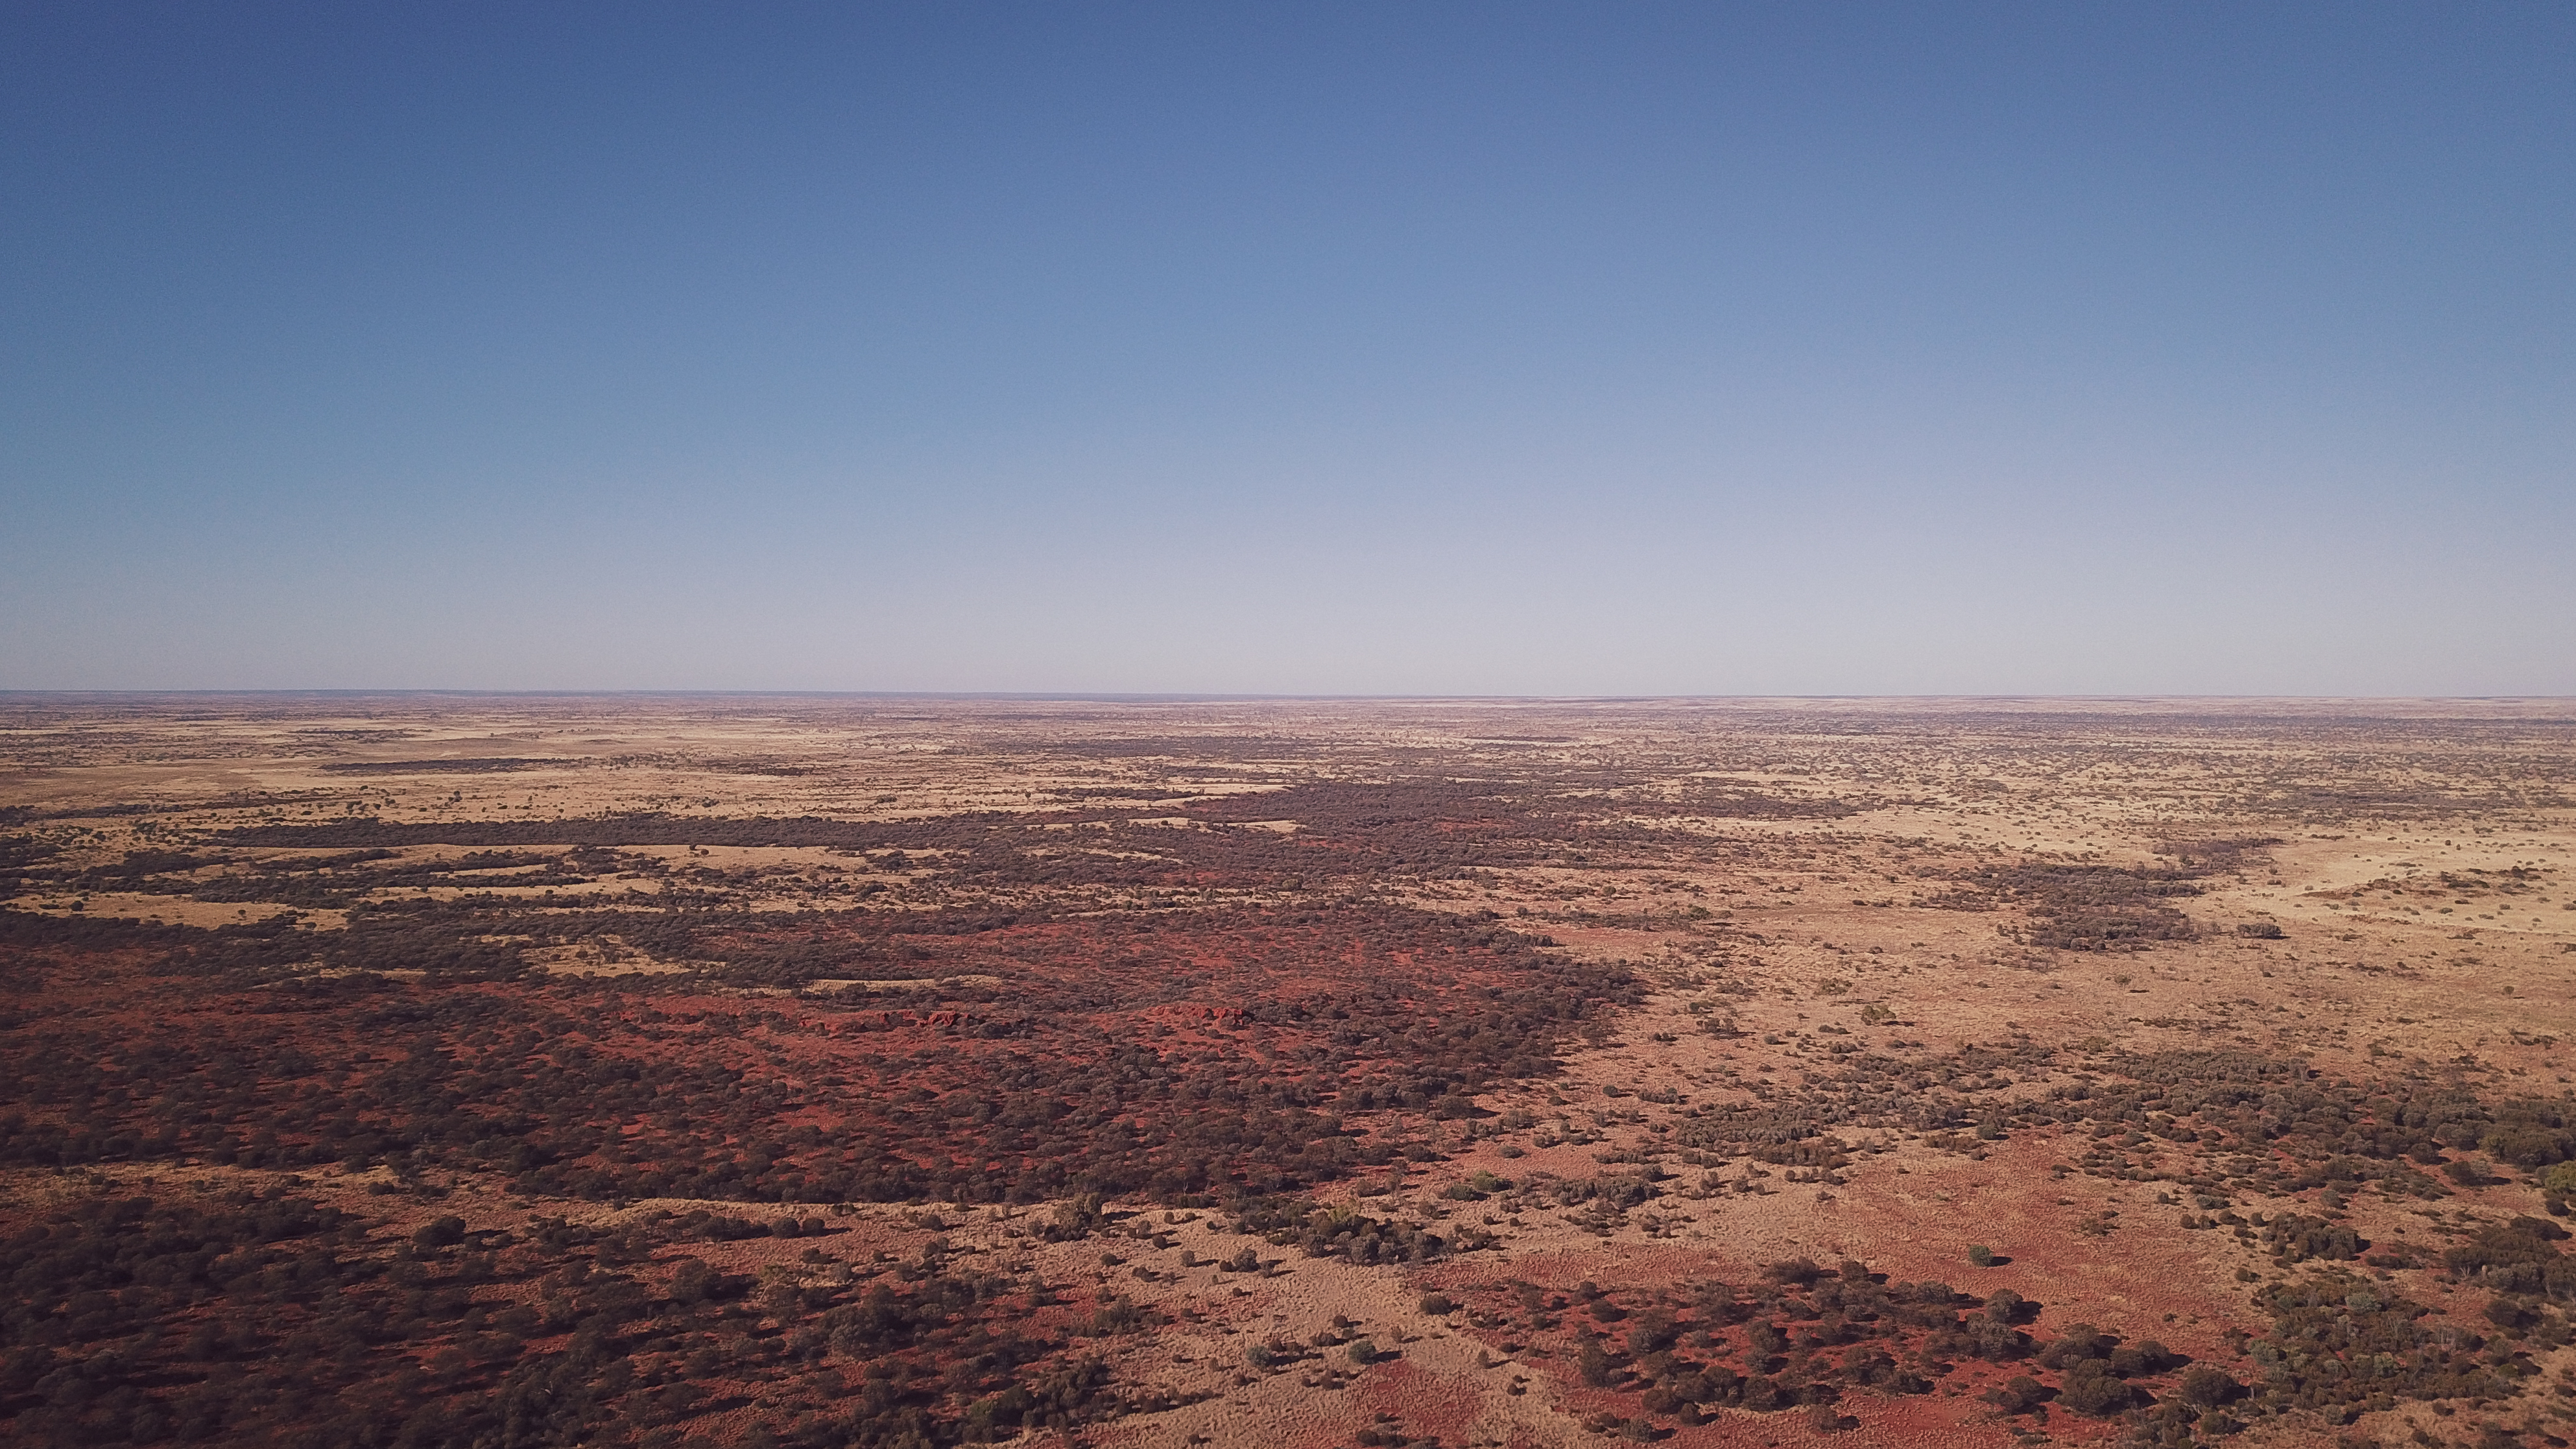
x: 1214, y: 696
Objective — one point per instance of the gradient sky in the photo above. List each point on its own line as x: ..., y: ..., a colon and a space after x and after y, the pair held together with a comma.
x: 1384, y: 348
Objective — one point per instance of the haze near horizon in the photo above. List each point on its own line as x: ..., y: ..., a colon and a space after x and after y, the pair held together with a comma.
x: 1426, y: 350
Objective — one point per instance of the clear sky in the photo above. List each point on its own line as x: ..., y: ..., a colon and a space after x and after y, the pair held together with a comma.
x: 1313, y: 348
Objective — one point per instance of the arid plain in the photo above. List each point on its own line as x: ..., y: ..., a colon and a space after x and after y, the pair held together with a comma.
x: 417, y: 1069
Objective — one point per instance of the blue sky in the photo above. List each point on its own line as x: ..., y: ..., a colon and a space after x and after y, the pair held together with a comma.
x: 1403, y: 349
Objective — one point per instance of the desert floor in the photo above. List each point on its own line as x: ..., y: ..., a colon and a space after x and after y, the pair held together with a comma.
x: 1290, y: 1073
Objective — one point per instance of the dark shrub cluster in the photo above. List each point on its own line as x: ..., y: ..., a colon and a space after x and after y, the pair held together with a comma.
x: 1191, y: 1056
x: 1800, y: 1335
x: 271, y: 1320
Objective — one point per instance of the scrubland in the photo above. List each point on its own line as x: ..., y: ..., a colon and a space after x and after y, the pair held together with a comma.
x: 423, y: 1070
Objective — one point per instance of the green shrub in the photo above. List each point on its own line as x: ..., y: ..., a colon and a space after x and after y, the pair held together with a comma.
x: 2206, y: 1388
x: 2017, y: 1395
x: 445, y: 1232
x: 2090, y: 1389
